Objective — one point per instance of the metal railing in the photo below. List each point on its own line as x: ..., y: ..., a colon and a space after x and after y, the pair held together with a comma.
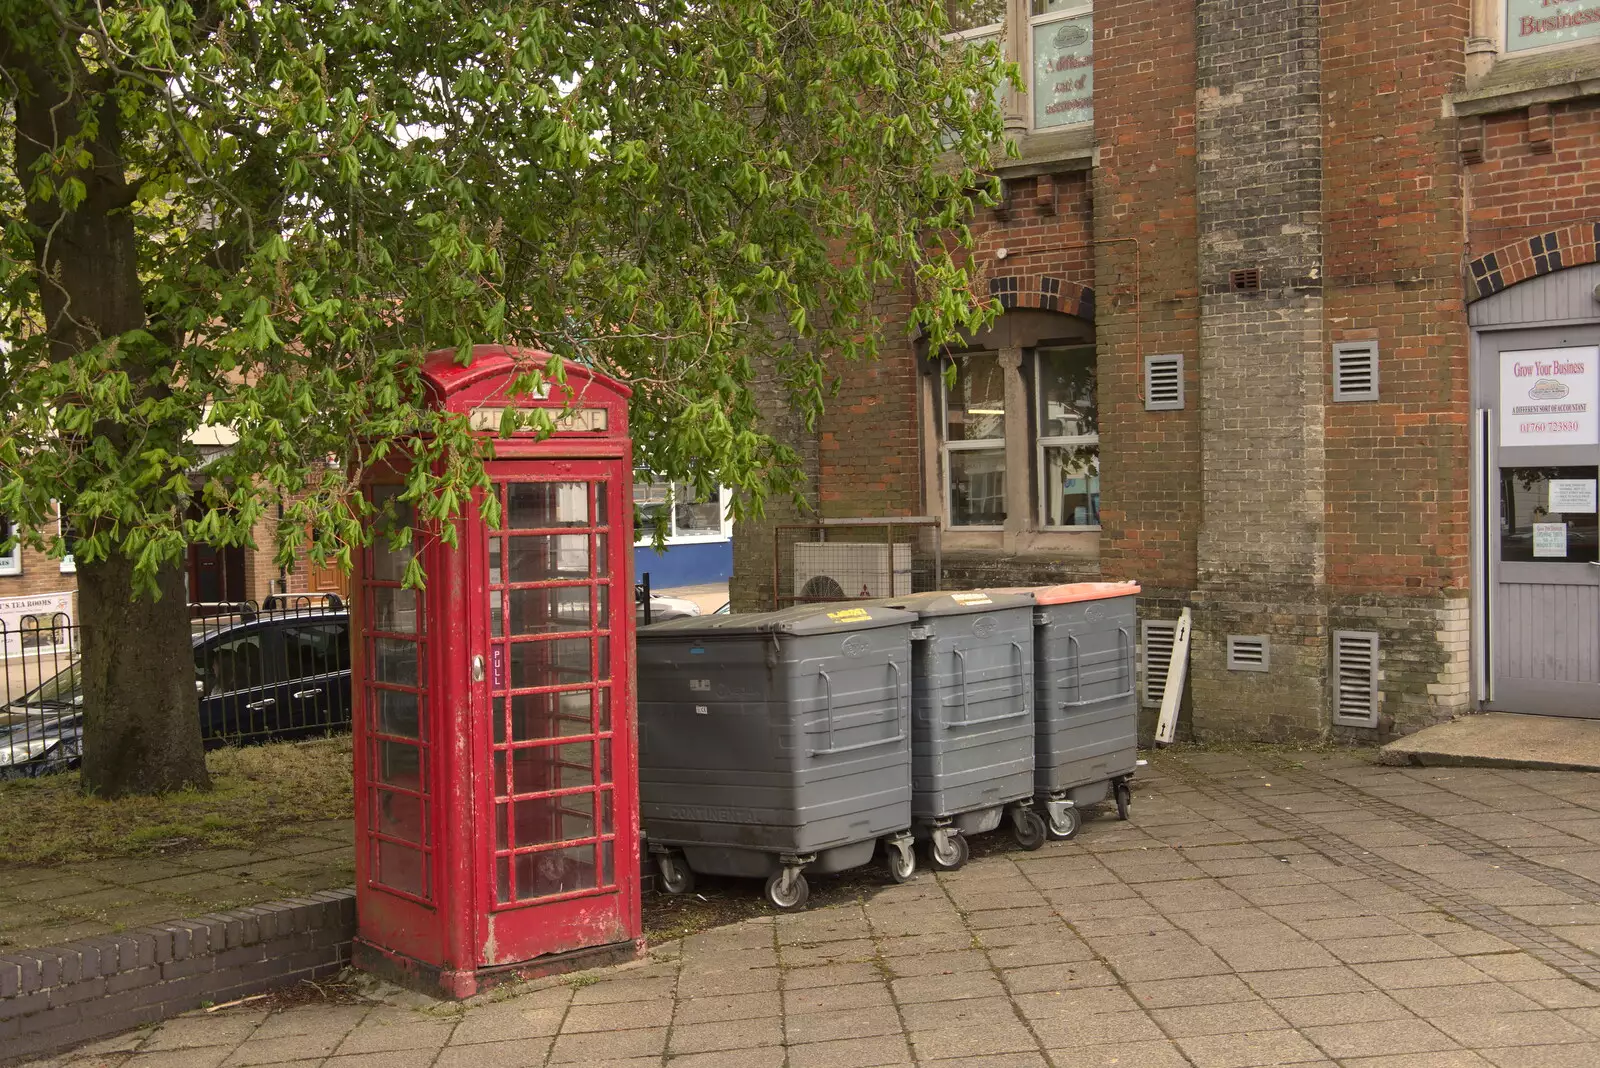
x: 641, y: 599
x: 277, y: 670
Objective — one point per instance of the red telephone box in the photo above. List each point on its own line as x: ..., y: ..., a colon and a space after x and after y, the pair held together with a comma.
x: 497, y: 814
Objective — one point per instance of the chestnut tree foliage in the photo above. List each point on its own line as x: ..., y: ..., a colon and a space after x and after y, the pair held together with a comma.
x: 260, y: 214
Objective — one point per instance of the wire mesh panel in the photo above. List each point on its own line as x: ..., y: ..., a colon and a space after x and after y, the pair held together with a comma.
x: 854, y: 559
x: 280, y: 670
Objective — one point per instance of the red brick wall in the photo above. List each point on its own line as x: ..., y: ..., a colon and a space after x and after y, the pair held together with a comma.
x: 868, y: 452
x: 1396, y: 493
x: 1518, y: 191
x: 1145, y: 191
x: 1047, y: 230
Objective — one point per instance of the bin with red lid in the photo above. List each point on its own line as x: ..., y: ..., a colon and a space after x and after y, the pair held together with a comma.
x: 1085, y: 705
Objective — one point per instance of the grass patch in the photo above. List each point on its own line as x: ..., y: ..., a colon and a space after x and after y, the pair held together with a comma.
x: 260, y: 792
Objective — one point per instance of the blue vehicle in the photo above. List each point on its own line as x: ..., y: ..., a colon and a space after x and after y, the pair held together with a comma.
x: 268, y: 675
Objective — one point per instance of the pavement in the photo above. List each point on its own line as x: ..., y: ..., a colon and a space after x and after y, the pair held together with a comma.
x: 1502, y: 740
x: 1260, y: 908
x: 710, y: 596
x: 43, y: 905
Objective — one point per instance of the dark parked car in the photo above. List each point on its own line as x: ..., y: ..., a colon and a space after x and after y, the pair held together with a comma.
x: 261, y: 676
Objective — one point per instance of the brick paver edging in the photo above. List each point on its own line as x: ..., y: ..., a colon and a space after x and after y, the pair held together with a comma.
x: 58, y: 996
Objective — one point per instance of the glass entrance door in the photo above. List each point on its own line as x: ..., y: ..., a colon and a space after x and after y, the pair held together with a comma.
x: 551, y: 577
x: 1543, y: 526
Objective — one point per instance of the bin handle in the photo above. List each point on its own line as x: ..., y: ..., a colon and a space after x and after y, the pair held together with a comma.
x: 1124, y: 672
x: 961, y: 662
x: 1125, y: 652
x: 832, y: 749
x: 966, y: 719
x: 827, y: 684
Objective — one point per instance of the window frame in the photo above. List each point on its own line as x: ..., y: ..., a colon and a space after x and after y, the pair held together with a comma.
x: 1041, y: 441
x: 1085, y: 7
x: 11, y: 562
x: 1021, y: 12
x: 724, y: 500
x: 946, y: 447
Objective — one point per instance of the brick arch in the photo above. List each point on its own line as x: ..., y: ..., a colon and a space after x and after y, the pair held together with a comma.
x: 1044, y: 292
x: 1553, y: 250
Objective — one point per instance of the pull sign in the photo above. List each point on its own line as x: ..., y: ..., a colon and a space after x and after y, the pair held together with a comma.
x: 498, y: 659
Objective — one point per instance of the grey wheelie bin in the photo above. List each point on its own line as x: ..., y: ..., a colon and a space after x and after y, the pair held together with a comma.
x: 776, y: 743
x: 1086, y: 709
x: 972, y: 728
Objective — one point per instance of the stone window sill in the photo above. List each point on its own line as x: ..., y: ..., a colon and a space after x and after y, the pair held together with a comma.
x: 1516, y: 82
x: 1084, y: 544
x: 1050, y: 152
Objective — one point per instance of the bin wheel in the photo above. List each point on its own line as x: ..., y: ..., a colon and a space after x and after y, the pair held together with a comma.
x: 676, y: 878
x: 1066, y: 827
x: 1029, y: 830
x: 952, y: 858
x: 787, y: 890
x: 902, y: 864
x: 1124, y: 800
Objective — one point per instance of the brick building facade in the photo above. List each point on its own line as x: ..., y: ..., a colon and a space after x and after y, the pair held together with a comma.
x: 35, y: 587
x: 1309, y: 243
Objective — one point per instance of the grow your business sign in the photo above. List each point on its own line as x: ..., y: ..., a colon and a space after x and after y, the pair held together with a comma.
x: 1550, y: 397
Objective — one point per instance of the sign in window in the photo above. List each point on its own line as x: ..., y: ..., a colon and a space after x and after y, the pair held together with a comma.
x: 1550, y: 396
x: 1547, y: 514
x: 1541, y: 23
x: 1063, y: 66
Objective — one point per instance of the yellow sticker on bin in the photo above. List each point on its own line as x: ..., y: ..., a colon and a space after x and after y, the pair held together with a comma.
x: 971, y: 598
x: 851, y: 615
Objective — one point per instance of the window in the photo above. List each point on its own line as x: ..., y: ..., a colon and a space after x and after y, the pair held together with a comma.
x: 10, y: 560
x: 1068, y: 455
x: 1061, y: 85
x: 316, y: 649
x: 1060, y: 424
x: 231, y: 666
x: 689, y: 517
x: 1540, y: 24
x: 983, y: 15
x: 1538, y: 523
x: 69, y: 538
x: 975, y: 442
x: 1059, y: 40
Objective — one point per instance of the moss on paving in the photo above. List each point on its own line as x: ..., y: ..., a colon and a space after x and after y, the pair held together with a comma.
x: 260, y: 792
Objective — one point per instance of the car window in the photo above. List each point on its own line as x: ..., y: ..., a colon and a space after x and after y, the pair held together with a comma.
x: 60, y: 689
x: 316, y: 649
x: 233, y: 664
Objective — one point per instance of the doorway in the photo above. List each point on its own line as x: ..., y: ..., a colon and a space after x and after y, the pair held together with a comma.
x: 1537, y: 446
x: 215, y: 576
x: 551, y: 572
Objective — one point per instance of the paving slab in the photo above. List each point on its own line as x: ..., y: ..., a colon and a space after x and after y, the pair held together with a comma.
x: 1501, y: 740
x: 1343, y: 916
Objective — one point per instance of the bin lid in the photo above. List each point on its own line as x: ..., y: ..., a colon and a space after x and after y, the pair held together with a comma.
x: 834, y: 617
x: 957, y: 602
x: 1071, y: 592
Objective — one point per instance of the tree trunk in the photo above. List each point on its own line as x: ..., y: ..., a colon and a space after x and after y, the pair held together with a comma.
x: 141, y: 713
